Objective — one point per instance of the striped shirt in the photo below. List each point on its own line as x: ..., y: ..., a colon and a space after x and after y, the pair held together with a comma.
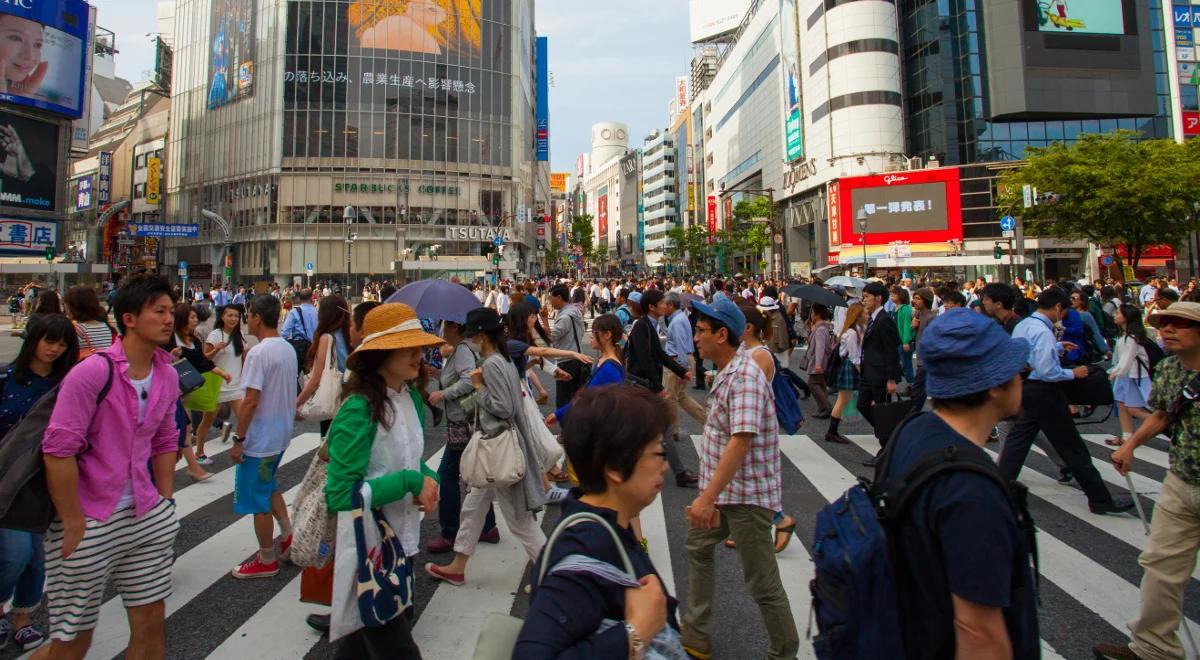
x: 94, y: 335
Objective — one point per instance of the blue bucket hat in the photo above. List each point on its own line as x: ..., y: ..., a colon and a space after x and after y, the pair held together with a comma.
x: 726, y: 311
x: 964, y: 352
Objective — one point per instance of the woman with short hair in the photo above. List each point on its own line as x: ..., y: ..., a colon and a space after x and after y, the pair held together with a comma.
x: 584, y: 601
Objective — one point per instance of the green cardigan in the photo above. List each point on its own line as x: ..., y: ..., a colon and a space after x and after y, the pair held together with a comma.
x: 350, y: 439
x: 904, y: 323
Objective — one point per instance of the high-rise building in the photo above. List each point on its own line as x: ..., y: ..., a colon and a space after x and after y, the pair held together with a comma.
x: 349, y: 137
x: 659, y: 194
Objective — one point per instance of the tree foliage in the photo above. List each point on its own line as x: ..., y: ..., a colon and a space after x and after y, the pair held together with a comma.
x: 583, y: 235
x: 755, y: 207
x: 1110, y: 190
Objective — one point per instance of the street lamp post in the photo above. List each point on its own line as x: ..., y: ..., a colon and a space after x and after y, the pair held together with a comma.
x: 862, y: 228
x: 348, y: 215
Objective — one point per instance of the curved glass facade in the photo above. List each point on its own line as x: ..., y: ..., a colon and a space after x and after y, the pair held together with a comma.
x: 416, y: 113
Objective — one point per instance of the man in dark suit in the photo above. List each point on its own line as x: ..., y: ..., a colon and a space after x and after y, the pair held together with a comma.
x: 880, y: 352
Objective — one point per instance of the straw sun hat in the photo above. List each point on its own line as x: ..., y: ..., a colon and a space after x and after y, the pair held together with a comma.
x: 389, y: 327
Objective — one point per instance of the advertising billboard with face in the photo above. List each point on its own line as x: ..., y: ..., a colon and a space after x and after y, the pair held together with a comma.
x: 1082, y: 16
x: 793, y: 129
x: 921, y: 206
x: 602, y: 216
x: 28, y: 163
x: 231, y: 53
x: 42, y: 52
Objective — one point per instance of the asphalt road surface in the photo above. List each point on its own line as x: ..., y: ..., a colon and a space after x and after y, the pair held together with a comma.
x: 1089, y: 586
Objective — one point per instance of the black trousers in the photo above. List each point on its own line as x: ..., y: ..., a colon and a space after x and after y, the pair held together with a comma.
x: 564, y: 390
x: 391, y: 641
x: 870, y: 394
x: 1044, y: 408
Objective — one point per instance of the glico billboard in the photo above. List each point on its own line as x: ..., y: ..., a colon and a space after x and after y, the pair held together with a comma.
x: 919, y: 206
x: 43, y: 45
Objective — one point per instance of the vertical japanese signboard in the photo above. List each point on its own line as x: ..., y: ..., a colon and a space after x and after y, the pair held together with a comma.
x: 602, y: 216
x: 793, y: 130
x: 104, y: 185
x: 153, y: 180
x: 712, y: 217
x: 543, y: 99
x: 835, y: 215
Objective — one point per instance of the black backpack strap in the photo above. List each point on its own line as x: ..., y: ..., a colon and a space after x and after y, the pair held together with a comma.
x: 108, y: 381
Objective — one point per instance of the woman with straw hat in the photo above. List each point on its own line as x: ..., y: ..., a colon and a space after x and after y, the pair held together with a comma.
x: 377, y: 439
x: 498, y: 397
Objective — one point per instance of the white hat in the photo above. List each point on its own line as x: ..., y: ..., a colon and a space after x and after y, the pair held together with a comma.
x: 767, y: 303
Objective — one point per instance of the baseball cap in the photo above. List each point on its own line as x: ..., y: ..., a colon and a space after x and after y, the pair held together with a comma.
x: 726, y: 311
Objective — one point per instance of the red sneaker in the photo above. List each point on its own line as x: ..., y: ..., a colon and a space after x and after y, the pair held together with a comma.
x: 255, y: 568
x: 456, y: 579
x: 285, y: 545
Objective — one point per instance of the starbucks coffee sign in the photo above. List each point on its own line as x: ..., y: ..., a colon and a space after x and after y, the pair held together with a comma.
x: 482, y: 234
x: 385, y: 187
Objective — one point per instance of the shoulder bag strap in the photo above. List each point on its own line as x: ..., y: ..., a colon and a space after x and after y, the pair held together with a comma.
x: 574, y: 519
x: 82, y: 332
x: 575, y: 333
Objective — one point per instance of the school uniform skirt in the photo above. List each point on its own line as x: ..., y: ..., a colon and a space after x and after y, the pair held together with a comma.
x: 847, y: 377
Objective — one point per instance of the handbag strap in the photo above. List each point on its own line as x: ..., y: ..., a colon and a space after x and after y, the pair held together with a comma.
x: 574, y: 519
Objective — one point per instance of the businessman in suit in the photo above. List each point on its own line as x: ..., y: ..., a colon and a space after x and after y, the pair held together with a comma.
x: 880, y: 352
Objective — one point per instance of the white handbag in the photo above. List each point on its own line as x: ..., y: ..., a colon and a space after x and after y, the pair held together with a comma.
x: 323, y: 404
x: 546, y: 448
x: 315, y: 530
x: 493, y: 461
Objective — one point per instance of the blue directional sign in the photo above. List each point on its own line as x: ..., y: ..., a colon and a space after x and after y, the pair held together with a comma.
x: 308, y: 266
x: 1008, y: 223
x: 182, y: 265
x: 1107, y: 260
x: 498, y: 241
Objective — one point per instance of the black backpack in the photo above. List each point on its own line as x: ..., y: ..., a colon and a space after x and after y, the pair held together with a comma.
x: 300, y: 344
x: 24, y: 497
x: 1155, y: 354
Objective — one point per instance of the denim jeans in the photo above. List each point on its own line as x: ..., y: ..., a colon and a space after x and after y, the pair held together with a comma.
x: 22, y: 568
x: 450, y: 496
x: 906, y: 365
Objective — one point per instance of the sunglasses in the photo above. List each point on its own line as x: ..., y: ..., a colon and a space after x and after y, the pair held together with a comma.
x: 1177, y: 323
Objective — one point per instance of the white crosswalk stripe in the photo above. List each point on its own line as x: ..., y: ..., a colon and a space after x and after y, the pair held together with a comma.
x: 449, y: 620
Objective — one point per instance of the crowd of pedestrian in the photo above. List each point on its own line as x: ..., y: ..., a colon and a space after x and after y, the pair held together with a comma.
x: 931, y: 366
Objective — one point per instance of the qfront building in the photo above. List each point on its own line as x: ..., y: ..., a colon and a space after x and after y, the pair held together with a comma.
x: 365, y: 137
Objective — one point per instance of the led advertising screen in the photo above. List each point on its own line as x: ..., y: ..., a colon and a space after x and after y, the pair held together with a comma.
x: 793, y: 129
x: 28, y: 163
x: 42, y: 48
x: 921, y: 206
x: 231, y: 51
x: 1081, y: 16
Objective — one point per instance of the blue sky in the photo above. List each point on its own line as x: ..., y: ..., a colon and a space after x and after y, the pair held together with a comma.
x: 610, y: 61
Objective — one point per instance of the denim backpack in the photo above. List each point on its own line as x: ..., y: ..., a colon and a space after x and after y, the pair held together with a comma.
x: 787, y: 402
x: 855, y: 595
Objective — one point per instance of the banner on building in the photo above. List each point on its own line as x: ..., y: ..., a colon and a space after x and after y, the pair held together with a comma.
x: 793, y: 128
x: 602, y: 216
x: 835, y: 215
x: 27, y: 237
x: 153, y: 180
x: 83, y: 193
x: 712, y: 217
x: 46, y: 54
x: 104, y: 184
x: 543, y: 99
x: 164, y: 230
x: 559, y: 182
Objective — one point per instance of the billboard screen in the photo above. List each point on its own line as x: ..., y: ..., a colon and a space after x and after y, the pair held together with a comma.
x: 43, y: 46
x: 793, y: 129
x: 558, y: 182
x: 921, y: 206
x: 1082, y: 16
x: 28, y: 163
x: 602, y: 216
x: 231, y: 51
x: 711, y: 18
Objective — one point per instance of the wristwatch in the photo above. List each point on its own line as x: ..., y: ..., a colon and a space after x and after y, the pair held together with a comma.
x: 637, y: 648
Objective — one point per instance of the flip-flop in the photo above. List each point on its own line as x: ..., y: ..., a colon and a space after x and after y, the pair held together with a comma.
x: 787, y: 532
x: 1114, y: 442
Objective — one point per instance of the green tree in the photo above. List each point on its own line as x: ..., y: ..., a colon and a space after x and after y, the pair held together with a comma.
x: 698, y: 249
x: 1110, y: 190
x: 554, y: 256
x: 755, y: 207
x: 756, y: 239
x: 676, y: 247
x: 583, y: 235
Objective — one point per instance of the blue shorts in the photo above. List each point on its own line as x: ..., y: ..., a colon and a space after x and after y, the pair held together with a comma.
x: 254, y: 483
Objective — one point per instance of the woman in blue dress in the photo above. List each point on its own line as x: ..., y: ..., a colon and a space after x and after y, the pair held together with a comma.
x: 609, y: 370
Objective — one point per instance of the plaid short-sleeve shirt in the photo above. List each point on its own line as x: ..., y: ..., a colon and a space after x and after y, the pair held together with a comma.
x: 741, y: 401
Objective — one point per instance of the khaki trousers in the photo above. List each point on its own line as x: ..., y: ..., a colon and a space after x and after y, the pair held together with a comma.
x: 677, y: 388
x: 752, y: 528
x: 1169, y: 559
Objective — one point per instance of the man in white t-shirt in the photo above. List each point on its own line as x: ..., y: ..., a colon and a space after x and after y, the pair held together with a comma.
x: 263, y: 433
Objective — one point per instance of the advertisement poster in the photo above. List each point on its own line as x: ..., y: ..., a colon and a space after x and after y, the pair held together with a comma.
x: 28, y: 169
x: 835, y: 215
x: 153, y: 180
x: 42, y: 46
x: 712, y: 217
x: 1081, y: 16
x: 602, y: 216
x: 793, y: 129
x: 231, y: 51
x: 542, y: 150
x: 558, y: 182
x: 921, y: 206
x: 83, y: 195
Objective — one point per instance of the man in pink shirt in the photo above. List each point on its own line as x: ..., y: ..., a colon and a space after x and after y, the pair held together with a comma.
x: 113, y: 519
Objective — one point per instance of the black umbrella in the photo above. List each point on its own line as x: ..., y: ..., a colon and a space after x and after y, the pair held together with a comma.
x: 816, y: 294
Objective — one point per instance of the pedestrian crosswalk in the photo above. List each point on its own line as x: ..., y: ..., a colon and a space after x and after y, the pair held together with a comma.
x: 1088, y: 563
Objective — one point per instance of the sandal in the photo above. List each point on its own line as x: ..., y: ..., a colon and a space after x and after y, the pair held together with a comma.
x: 729, y: 543
x: 1114, y: 442
x: 787, y: 532
x: 558, y: 476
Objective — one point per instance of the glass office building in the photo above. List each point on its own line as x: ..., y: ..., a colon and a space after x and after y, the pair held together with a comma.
x: 383, y: 135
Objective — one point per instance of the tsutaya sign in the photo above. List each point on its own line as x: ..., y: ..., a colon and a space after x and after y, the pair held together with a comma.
x: 486, y: 234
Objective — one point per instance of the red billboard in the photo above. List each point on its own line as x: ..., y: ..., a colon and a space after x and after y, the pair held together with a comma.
x: 712, y: 217
x: 919, y: 206
x: 1191, y: 122
x: 602, y: 212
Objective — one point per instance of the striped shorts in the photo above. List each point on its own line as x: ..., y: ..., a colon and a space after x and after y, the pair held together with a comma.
x: 137, y: 553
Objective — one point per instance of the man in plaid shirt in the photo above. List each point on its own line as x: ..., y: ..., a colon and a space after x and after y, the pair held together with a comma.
x: 740, y: 471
